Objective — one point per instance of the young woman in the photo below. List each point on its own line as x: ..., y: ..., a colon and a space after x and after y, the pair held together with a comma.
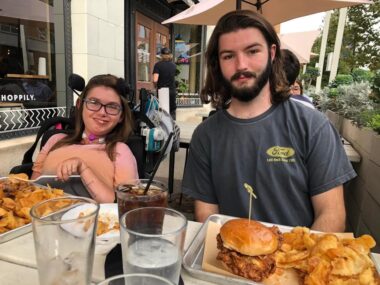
x: 95, y: 150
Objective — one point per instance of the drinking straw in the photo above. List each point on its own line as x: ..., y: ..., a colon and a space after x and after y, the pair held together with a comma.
x: 162, y: 153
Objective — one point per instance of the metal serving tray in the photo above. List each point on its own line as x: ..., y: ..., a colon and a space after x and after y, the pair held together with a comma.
x: 192, y: 260
x: 41, y: 182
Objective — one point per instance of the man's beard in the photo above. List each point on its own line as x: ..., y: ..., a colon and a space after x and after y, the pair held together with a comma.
x: 246, y: 94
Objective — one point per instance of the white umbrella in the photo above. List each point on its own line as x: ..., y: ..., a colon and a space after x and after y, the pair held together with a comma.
x: 208, y: 12
x: 300, y: 44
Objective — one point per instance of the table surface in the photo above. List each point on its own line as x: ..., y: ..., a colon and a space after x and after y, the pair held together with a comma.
x: 187, y: 130
x: 18, y: 263
x: 18, y: 260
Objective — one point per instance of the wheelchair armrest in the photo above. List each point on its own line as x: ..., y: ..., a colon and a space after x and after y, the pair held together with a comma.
x: 23, y: 168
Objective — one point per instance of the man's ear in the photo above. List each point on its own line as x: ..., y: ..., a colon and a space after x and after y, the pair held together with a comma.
x: 273, y: 49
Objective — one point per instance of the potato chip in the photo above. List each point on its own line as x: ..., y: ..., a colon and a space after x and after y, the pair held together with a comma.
x: 324, y: 259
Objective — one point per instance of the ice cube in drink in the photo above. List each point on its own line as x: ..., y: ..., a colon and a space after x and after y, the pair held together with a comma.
x: 130, y: 197
x: 154, y: 256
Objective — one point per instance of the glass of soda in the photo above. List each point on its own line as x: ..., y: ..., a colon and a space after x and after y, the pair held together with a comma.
x: 131, y: 195
x: 152, y: 241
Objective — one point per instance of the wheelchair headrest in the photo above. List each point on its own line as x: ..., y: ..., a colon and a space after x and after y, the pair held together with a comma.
x: 76, y: 82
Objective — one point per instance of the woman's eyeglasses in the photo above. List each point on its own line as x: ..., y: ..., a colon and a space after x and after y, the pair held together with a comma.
x: 111, y: 108
x: 295, y: 88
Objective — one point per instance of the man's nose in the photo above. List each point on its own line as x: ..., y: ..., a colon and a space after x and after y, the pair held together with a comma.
x: 241, y: 62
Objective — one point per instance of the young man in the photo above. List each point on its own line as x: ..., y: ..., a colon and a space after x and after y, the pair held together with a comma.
x: 293, y: 158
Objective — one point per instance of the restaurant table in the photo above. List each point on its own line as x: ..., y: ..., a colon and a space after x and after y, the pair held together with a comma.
x: 18, y: 260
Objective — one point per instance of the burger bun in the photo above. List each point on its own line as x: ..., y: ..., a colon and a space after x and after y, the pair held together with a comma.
x: 249, y: 237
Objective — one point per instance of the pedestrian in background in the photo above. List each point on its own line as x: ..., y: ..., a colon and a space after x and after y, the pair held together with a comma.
x: 164, y: 77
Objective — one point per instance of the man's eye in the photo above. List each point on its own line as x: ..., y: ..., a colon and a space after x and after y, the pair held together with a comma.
x: 226, y: 57
x: 253, y: 51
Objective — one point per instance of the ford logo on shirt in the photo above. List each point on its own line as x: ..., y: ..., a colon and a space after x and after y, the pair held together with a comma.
x: 280, y: 152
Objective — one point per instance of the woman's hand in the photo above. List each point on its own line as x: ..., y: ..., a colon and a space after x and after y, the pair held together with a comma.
x: 70, y: 166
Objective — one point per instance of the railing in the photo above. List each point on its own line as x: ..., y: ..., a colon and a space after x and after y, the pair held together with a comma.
x: 20, y: 120
x: 188, y: 100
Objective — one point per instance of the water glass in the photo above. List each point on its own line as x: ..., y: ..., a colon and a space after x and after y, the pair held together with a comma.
x: 152, y: 240
x: 64, y: 231
x: 136, y: 279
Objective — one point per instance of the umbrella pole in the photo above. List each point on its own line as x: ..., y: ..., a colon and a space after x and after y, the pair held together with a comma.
x: 258, y: 4
x: 238, y: 4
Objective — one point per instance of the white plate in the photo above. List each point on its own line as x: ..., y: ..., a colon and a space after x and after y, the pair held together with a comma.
x: 111, y: 213
x: 107, y: 212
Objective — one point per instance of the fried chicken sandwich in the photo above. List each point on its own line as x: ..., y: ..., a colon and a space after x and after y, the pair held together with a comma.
x: 247, y: 248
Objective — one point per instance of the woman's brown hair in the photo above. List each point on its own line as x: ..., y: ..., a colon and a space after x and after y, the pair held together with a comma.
x: 233, y: 21
x: 120, y: 132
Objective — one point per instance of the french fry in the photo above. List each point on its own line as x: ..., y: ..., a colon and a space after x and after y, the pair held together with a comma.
x: 17, y: 197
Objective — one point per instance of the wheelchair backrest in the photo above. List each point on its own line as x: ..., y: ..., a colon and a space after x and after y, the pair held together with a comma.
x: 57, y: 125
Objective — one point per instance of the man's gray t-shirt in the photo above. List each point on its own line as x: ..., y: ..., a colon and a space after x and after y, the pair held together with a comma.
x: 287, y: 155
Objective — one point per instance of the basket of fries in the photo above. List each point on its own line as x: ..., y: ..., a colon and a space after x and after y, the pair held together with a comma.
x: 17, y: 197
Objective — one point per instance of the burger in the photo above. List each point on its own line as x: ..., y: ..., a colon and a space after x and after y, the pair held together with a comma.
x: 246, y: 248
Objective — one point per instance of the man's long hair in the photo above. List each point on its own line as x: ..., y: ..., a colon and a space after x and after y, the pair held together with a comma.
x: 231, y: 22
x: 120, y: 132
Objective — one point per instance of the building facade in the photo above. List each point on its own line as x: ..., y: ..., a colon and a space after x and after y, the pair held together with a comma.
x: 43, y: 41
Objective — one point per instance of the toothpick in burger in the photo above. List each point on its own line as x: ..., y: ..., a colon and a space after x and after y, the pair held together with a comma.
x: 247, y: 248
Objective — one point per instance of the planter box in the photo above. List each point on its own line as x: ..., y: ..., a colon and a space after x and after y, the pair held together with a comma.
x: 363, y: 194
x: 335, y: 119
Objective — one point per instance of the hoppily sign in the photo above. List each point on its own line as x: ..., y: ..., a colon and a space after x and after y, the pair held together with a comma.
x: 16, y: 97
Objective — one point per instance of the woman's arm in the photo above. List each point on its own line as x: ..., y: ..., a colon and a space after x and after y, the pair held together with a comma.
x: 97, y: 189
x: 39, y: 163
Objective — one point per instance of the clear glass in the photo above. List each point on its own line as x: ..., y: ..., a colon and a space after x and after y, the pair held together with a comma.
x: 152, y: 241
x: 131, y: 195
x: 64, y: 231
x: 136, y: 279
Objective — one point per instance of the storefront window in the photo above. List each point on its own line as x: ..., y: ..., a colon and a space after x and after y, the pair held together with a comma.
x: 28, y: 57
x: 188, y: 59
x: 27, y: 61
x: 161, y: 42
x: 143, y: 54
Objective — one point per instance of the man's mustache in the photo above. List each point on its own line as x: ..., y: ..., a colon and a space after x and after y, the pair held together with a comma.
x: 247, y: 74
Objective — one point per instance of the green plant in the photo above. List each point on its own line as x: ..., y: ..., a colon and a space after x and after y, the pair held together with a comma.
x: 342, y: 79
x: 376, y: 86
x: 352, y: 102
x: 182, y: 87
x: 374, y: 123
x: 181, y: 84
x: 310, y: 75
x: 360, y: 75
